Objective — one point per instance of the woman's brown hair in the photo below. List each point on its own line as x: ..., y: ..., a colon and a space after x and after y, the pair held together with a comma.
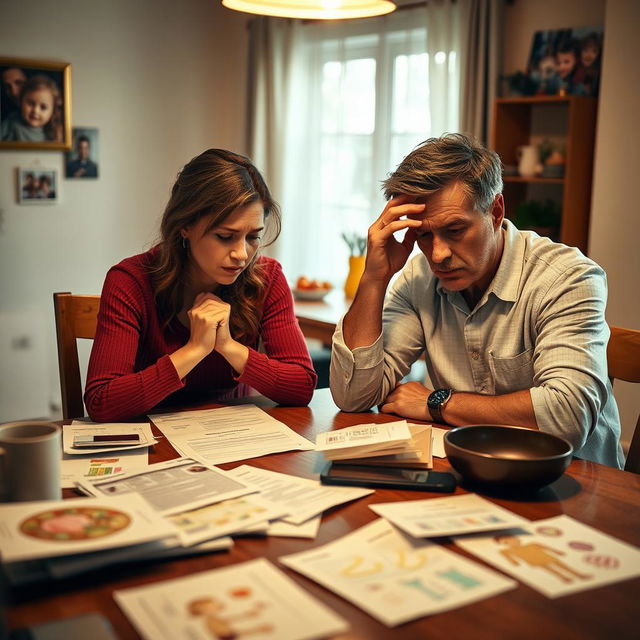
x: 212, y: 185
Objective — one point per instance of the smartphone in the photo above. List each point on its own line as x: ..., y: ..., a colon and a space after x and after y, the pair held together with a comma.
x: 354, y: 475
x: 105, y: 440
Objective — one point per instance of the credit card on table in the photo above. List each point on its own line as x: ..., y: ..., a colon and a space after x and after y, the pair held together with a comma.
x: 92, y: 441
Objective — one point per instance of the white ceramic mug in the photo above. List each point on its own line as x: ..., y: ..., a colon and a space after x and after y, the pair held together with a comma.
x: 30, y: 454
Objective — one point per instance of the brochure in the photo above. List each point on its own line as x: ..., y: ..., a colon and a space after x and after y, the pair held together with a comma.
x: 253, y: 599
x: 395, y: 578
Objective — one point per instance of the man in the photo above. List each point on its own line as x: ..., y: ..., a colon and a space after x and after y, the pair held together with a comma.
x: 82, y: 166
x: 511, y: 324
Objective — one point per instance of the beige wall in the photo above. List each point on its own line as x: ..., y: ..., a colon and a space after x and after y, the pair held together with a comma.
x: 615, y: 219
x: 162, y: 80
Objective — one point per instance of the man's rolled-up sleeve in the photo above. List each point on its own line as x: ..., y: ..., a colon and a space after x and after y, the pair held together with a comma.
x: 570, y: 364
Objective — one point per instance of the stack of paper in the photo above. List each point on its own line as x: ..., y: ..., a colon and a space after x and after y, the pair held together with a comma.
x: 63, y: 537
x: 393, y: 444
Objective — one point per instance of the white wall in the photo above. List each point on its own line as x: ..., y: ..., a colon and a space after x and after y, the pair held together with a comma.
x: 615, y: 218
x: 162, y: 80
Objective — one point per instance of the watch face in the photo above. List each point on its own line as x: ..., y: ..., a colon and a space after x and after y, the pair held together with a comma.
x: 438, y: 397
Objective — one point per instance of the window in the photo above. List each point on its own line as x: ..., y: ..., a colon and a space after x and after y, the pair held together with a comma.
x: 361, y: 99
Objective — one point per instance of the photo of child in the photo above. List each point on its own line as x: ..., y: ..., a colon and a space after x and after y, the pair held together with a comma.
x: 566, y: 61
x: 34, y: 106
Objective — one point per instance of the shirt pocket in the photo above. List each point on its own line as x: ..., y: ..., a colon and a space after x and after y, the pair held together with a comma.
x: 512, y: 373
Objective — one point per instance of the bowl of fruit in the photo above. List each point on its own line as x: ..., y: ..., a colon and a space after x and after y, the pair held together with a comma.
x: 307, y: 289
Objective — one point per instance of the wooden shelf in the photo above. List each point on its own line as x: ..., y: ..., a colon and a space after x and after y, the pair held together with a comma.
x: 513, y: 126
x: 536, y: 180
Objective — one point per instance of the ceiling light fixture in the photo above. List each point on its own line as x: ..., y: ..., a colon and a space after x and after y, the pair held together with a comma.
x: 313, y: 9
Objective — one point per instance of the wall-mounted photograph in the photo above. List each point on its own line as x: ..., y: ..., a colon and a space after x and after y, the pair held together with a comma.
x: 35, y: 104
x: 37, y: 186
x: 82, y: 160
x: 566, y: 61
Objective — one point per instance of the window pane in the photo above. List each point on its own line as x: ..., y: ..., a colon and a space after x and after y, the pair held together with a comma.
x: 410, y: 107
x: 349, y: 96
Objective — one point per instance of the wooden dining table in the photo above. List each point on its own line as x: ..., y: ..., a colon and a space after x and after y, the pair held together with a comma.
x: 601, y: 497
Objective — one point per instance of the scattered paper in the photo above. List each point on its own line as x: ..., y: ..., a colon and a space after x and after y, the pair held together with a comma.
x: 557, y: 556
x: 395, y: 578
x: 228, y: 434
x: 173, y: 486
x: 307, y: 529
x: 32, y: 530
x: 224, y: 518
x: 103, y: 465
x: 437, y: 443
x: 302, y: 498
x: 81, y: 428
x: 252, y: 598
x: 453, y: 515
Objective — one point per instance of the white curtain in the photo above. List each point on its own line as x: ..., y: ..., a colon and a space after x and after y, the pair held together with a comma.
x: 335, y: 108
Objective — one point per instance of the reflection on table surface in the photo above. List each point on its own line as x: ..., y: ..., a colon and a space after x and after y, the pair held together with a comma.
x: 604, y: 498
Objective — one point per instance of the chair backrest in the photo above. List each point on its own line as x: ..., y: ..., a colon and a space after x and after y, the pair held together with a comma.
x: 623, y: 360
x: 76, y: 317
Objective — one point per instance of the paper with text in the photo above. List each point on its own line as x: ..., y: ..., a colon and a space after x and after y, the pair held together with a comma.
x: 301, y: 497
x: 228, y: 434
x: 82, y: 428
x: 453, y: 515
x: 174, y: 486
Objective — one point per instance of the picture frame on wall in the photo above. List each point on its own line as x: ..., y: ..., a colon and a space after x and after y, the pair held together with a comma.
x: 35, y: 104
x: 82, y: 160
x: 566, y: 61
x: 37, y: 185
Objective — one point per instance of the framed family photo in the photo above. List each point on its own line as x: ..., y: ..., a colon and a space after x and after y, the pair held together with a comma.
x: 37, y: 185
x: 566, y: 61
x: 82, y: 160
x: 35, y: 104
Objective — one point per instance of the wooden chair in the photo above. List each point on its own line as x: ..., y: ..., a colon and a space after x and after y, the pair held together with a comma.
x: 76, y: 317
x: 623, y: 359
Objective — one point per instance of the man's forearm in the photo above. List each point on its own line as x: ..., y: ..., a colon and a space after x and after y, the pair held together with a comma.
x: 362, y: 324
x: 472, y: 408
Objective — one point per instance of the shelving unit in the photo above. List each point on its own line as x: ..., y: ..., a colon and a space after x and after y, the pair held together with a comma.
x: 516, y: 120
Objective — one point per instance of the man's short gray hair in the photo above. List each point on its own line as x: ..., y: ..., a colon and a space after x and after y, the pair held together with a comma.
x: 439, y: 162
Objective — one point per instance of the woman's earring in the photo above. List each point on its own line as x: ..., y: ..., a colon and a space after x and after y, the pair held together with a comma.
x: 185, y: 243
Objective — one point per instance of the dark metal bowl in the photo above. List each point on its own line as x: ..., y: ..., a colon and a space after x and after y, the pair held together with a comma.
x: 507, y: 457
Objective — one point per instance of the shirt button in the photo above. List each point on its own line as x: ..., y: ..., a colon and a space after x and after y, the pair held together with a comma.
x: 475, y: 355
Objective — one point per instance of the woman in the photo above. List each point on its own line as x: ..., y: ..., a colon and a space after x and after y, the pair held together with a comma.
x: 184, y: 321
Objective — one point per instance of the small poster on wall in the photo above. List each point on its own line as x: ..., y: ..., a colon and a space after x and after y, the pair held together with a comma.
x: 566, y: 61
x: 82, y: 160
x: 37, y: 186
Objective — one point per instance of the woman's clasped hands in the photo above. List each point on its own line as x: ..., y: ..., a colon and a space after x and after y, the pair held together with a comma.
x: 209, y: 324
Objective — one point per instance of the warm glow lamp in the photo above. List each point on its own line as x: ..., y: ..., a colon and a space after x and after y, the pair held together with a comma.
x: 313, y: 9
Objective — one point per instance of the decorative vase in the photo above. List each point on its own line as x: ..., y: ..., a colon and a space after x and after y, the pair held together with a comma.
x: 356, y: 269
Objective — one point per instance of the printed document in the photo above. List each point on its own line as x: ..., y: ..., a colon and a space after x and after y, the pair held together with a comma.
x: 80, y: 428
x: 102, y: 465
x: 228, y: 434
x: 395, y: 578
x: 302, y: 498
x: 173, y: 486
x: 453, y: 515
x: 252, y: 599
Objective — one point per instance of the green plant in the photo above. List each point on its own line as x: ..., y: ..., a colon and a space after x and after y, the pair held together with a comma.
x: 534, y: 214
x: 356, y: 243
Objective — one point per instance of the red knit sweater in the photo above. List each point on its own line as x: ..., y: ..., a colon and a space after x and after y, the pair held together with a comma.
x: 130, y: 371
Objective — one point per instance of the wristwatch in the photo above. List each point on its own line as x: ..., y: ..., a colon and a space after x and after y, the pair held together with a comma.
x: 436, y: 400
